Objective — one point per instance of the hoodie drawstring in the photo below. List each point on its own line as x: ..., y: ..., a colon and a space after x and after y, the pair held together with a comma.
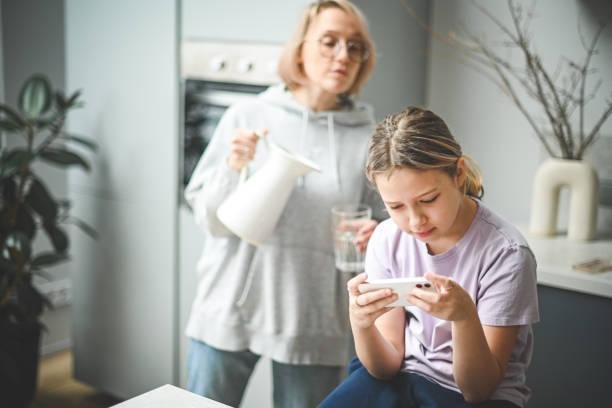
x: 333, y: 150
x: 303, y: 143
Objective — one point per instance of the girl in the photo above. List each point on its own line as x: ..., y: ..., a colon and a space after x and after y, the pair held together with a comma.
x: 285, y: 300
x: 470, y: 342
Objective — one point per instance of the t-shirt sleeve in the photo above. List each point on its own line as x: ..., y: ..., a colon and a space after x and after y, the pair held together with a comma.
x: 378, y: 254
x: 507, y: 292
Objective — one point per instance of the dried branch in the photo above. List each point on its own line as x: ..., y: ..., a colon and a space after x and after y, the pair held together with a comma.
x: 559, y: 94
x: 595, y: 131
x: 590, y: 52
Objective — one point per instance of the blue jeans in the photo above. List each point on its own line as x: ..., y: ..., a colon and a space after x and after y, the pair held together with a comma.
x: 407, y: 390
x: 223, y: 376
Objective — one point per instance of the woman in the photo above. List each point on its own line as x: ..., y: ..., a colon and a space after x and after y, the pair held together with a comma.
x: 284, y: 299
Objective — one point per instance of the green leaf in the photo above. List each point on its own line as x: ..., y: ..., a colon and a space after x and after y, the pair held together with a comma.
x: 9, y: 126
x: 18, y: 241
x: 15, y: 160
x: 25, y: 222
x: 41, y: 200
x: 86, y: 228
x: 88, y: 143
x: 12, y: 115
x: 58, y: 237
x: 72, y: 101
x: 60, y: 100
x: 48, y: 120
x: 48, y: 259
x: 9, y: 192
x: 6, y: 266
x: 63, y: 157
x: 35, y: 96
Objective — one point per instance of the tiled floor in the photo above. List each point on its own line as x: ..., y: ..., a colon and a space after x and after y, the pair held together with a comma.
x: 57, y: 388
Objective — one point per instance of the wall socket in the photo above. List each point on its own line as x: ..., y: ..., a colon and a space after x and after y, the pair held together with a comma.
x: 58, y: 292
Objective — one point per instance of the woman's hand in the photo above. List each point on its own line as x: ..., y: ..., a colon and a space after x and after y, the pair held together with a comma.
x: 365, y: 308
x: 242, y: 147
x: 364, y: 233
x: 450, y: 303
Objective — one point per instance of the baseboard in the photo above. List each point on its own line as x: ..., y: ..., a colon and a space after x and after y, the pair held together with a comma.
x: 54, y: 347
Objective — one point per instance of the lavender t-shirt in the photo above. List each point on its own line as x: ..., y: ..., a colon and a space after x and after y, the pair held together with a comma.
x: 494, y: 265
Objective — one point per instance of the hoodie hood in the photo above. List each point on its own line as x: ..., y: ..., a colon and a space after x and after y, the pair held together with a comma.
x: 358, y: 115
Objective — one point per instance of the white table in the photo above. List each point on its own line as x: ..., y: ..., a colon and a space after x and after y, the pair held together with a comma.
x: 169, y: 396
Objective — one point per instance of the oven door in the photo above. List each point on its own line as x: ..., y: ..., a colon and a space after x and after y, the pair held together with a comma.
x: 205, y: 103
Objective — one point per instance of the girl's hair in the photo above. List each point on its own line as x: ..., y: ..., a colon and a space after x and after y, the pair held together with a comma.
x: 418, y: 139
x: 291, y: 71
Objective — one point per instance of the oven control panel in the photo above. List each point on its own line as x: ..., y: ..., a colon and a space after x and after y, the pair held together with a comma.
x: 233, y: 62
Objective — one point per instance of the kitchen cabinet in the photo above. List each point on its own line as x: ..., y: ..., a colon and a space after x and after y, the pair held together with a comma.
x: 572, y: 355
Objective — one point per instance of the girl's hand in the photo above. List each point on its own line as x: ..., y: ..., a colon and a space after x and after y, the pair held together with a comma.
x: 365, y: 308
x: 364, y: 233
x: 242, y: 147
x: 450, y: 303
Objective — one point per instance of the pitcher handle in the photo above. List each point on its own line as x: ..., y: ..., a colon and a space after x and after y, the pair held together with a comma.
x: 244, y: 172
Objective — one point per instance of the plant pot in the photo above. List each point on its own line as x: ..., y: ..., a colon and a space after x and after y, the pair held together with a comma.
x: 581, y: 179
x: 19, y: 356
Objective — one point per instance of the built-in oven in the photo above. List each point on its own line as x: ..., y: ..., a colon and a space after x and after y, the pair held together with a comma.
x: 217, y: 75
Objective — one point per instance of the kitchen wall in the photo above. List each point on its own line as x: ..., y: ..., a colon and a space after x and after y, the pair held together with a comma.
x: 262, y: 21
x: 33, y: 35
x: 124, y: 55
x: 402, y: 48
x: 491, y: 124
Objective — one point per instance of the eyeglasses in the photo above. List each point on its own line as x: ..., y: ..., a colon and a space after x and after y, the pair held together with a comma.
x: 330, y: 47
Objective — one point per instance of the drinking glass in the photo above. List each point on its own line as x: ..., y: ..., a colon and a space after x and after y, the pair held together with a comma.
x: 347, y: 219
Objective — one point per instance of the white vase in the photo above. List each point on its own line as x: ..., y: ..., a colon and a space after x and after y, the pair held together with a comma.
x: 253, y: 209
x: 581, y: 179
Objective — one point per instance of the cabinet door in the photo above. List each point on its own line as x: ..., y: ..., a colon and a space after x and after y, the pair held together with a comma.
x: 123, y: 56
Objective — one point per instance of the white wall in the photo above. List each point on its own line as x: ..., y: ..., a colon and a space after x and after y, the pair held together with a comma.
x: 261, y: 21
x: 488, y: 125
x: 123, y: 55
x: 399, y: 79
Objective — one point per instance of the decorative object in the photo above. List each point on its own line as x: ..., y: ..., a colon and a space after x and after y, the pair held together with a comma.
x: 32, y: 132
x: 581, y: 179
x: 559, y: 94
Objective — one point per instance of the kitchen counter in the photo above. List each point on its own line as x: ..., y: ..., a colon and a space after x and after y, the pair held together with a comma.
x: 556, y: 255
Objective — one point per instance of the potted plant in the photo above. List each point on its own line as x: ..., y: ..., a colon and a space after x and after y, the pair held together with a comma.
x: 34, y: 130
x: 553, y: 101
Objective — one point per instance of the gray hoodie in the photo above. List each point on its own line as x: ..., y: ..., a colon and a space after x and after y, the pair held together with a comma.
x: 284, y: 299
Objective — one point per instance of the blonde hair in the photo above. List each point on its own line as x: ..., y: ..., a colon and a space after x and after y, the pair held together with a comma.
x: 418, y: 139
x: 290, y: 70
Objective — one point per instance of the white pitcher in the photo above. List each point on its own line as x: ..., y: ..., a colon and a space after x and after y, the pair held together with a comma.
x: 253, y: 209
